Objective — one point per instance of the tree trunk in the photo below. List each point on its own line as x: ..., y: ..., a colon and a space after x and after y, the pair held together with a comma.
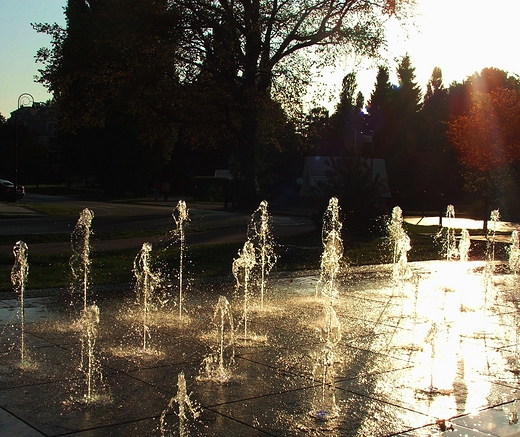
x: 248, y: 144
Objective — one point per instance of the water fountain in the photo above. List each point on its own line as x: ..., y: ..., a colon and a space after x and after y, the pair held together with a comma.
x: 401, y: 245
x: 242, y: 268
x: 217, y: 366
x: 447, y: 235
x: 146, y: 281
x: 514, y: 253
x: 335, y: 362
x: 19, y: 274
x: 80, y: 260
x: 332, y: 251
x: 179, y: 406
x: 180, y: 216
x: 88, y: 325
x: 259, y: 233
x: 464, y: 245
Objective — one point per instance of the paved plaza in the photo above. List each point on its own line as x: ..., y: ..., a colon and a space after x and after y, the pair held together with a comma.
x: 434, y: 355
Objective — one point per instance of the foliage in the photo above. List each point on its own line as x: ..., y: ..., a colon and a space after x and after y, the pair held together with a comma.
x: 211, y: 67
x: 487, y: 141
x: 350, y: 181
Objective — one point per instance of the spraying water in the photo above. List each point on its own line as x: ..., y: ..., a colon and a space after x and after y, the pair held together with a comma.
x: 400, y: 242
x: 464, y: 245
x: 430, y: 339
x: 80, y: 260
x: 217, y: 365
x: 326, y: 408
x: 180, y: 405
x: 491, y: 240
x: 259, y: 233
x: 242, y: 267
x: 89, y: 322
x: 19, y: 274
x: 146, y: 282
x: 514, y: 253
x: 447, y: 235
x: 180, y: 216
x: 332, y: 251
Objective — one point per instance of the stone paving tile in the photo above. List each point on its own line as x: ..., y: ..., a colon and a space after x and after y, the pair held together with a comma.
x: 396, y: 341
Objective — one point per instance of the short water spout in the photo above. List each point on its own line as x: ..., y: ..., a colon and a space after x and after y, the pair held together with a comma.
x: 180, y: 406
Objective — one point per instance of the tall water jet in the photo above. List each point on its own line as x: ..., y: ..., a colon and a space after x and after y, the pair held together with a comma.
x: 179, y: 406
x: 447, y: 235
x: 89, y: 322
x: 180, y: 216
x: 242, y: 267
x: 259, y: 233
x: 146, y: 282
x: 332, y: 254
x: 218, y: 364
x: 400, y: 243
x: 514, y: 253
x: 19, y: 274
x: 80, y: 260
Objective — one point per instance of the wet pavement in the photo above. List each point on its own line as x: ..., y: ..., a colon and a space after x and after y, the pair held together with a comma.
x: 434, y: 355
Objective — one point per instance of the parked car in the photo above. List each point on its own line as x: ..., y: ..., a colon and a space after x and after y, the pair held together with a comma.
x: 8, y: 191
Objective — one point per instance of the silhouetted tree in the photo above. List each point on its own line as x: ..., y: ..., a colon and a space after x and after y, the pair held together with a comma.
x: 223, y: 62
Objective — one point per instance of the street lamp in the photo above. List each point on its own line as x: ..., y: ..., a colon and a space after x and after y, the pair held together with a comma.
x: 24, y: 100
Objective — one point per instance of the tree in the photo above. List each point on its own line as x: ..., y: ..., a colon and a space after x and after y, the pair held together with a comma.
x: 487, y: 141
x: 271, y: 46
x: 108, y: 71
x: 393, y: 116
x: 228, y: 60
x: 348, y: 120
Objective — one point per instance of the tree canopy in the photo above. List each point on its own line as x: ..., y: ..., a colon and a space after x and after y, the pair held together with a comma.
x: 211, y: 66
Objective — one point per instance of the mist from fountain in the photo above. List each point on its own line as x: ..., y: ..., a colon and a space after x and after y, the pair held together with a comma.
x: 181, y: 217
x: 19, y: 274
x: 179, y: 406
x: 259, y: 233
x: 146, y: 281
x: 80, y: 259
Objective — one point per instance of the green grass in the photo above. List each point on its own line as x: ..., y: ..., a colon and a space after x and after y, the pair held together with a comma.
x: 299, y: 252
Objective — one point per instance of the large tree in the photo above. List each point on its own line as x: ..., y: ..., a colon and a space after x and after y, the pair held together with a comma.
x: 109, y: 71
x: 231, y: 58
x: 255, y: 50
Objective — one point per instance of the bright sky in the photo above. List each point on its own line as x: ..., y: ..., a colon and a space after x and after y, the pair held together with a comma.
x: 459, y: 36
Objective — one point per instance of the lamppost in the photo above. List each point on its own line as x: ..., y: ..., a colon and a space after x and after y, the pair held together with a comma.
x: 24, y: 100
